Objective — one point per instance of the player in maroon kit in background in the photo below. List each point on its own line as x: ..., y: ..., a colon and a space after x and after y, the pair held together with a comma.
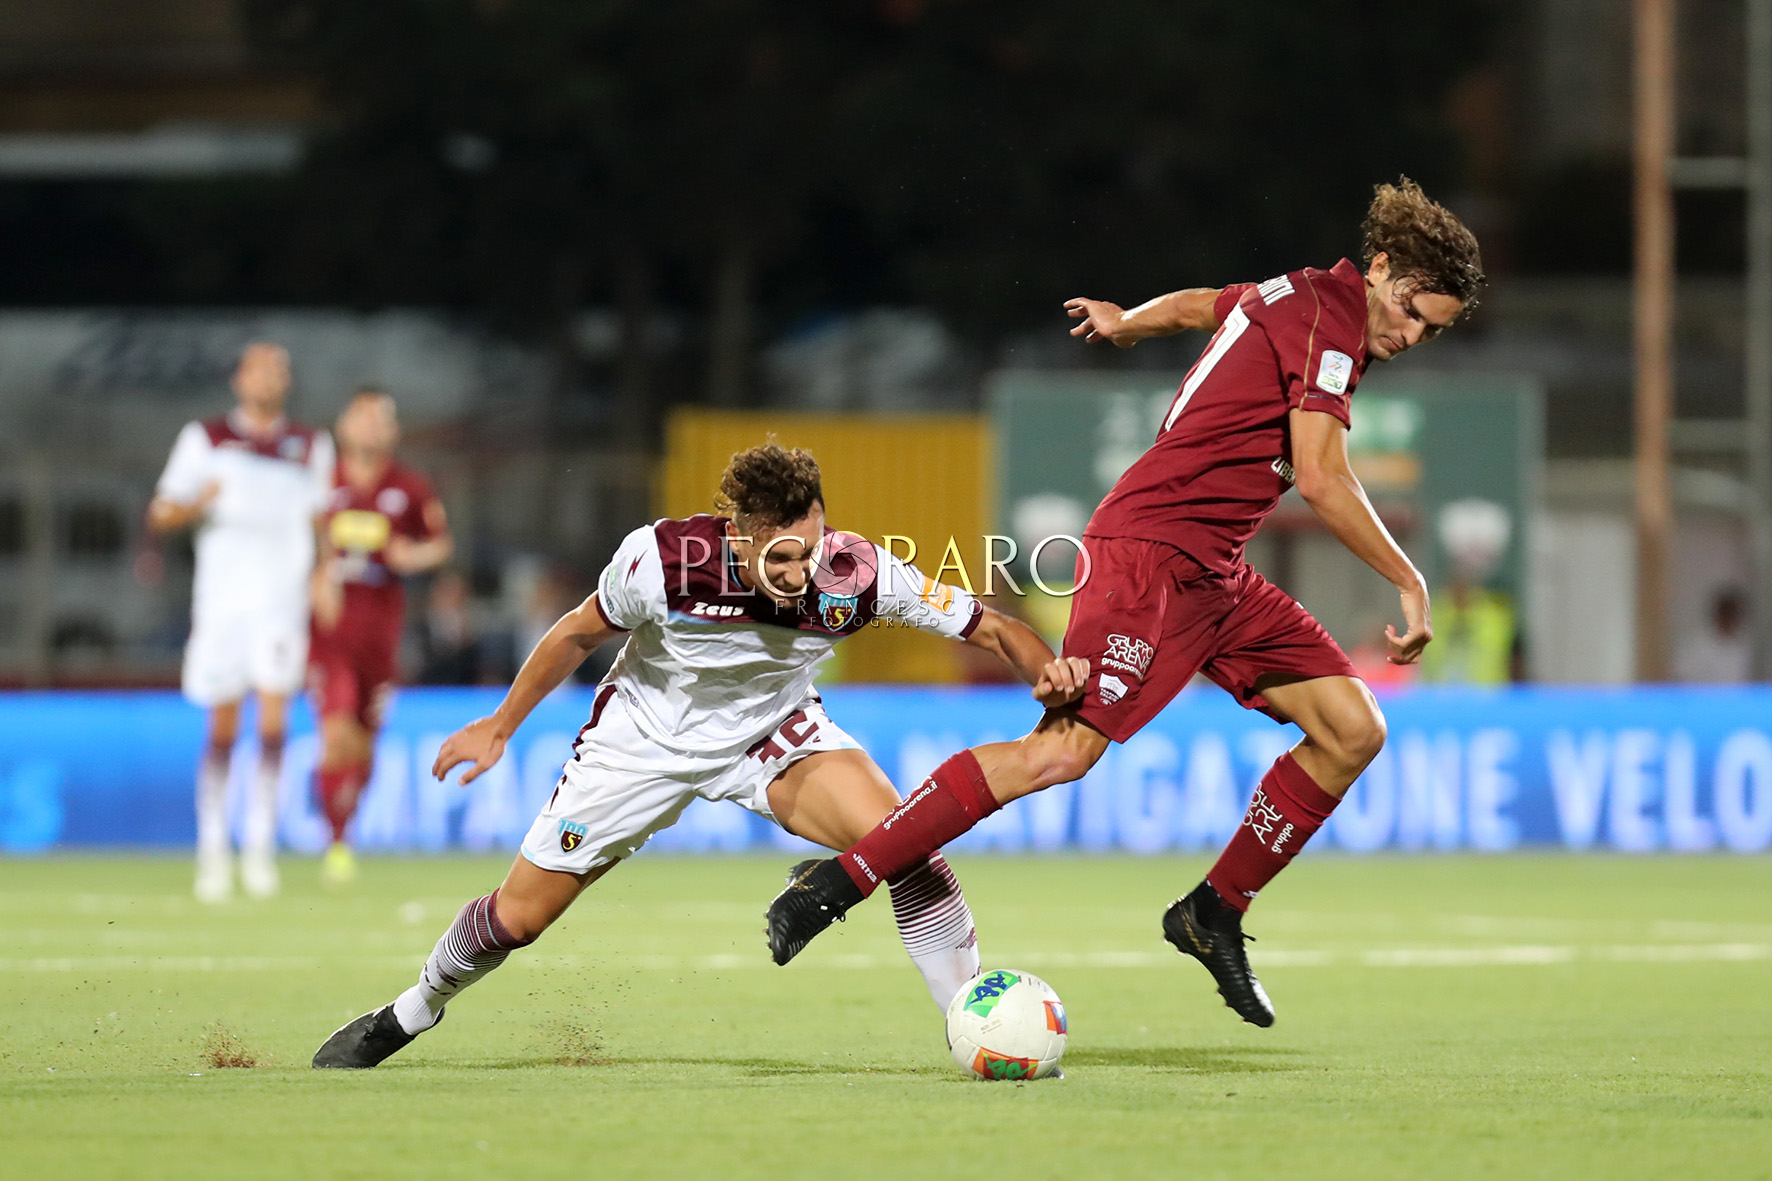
x: 383, y: 522
x: 1164, y: 591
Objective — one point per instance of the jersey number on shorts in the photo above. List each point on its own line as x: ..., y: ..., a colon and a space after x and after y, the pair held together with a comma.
x: 795, y: 731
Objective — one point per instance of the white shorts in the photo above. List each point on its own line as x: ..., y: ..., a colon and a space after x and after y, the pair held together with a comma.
x: 231, y: 654
x: 621, y: 786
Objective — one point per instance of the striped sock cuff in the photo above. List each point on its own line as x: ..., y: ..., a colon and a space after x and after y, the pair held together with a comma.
x: 930, y: 909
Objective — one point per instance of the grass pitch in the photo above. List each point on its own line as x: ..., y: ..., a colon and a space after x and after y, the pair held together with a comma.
x: 1438, y: 1017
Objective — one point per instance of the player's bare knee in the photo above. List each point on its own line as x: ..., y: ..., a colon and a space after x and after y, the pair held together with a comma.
x: 336, y: 754
x: 1360, y: 737
x: 224, y: 728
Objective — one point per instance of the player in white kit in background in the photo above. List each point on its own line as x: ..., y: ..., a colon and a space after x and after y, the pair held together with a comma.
x: 728, y: 620
x: 252, y: 483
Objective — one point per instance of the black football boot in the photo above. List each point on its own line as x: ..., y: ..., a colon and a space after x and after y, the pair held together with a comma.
x: 364, y: 1041
x: 818, y: 894
x: 1201, y: 925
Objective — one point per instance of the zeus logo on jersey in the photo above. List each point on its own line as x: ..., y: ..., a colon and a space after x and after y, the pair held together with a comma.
x: 1336, y: 371
x: 717, y: 610
x: 1128, y: 655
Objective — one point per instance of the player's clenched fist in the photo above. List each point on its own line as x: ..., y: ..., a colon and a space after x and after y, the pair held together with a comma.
x: 477, y: 742
x: 1405, y: 648
x: 1062, y: 681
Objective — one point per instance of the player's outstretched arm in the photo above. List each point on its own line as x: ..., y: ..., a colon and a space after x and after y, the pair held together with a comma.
x: 406, y: 555
x: 1057, y: 680
x: 562, y: 650
x: 1179, y: 311
x: 1326, y: 480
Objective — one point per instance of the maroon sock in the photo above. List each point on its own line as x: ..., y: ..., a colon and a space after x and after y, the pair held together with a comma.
x: 1288, y: 807
x: 950, y: 802
x: 333, y: 787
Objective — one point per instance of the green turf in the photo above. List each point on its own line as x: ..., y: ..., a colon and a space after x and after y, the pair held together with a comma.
x: 1533, y: 1016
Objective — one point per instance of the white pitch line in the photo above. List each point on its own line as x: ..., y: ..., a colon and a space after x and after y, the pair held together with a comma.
x: 1688, y: 953
x: 1466, y: 957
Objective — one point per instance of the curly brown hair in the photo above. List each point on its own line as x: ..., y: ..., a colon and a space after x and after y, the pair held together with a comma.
x: 1429, y: 249
x: 769, y: 486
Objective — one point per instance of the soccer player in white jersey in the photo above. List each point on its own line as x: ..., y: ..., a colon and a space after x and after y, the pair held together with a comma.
x: 728, y: 619
x: 251, y: 483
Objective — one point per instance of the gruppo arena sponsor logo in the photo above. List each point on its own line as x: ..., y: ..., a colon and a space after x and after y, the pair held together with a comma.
x: 1128, y: 655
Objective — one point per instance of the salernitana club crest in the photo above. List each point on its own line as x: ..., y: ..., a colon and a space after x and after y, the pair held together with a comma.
x: 571, y: 835
x: 837, y: 612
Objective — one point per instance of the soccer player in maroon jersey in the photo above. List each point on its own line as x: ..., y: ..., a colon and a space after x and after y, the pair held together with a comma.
x: 383, y: 522
x: 1164, y: 591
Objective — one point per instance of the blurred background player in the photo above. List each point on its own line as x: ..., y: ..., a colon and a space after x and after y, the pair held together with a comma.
x: 252, y: 483
x: 728, y: 619
x: 383, y: 522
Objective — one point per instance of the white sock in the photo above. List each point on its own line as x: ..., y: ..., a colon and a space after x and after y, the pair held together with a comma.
x: 474, y: 945
x: 212, y: 806
x: 936, y: 926
x: 261, y: 812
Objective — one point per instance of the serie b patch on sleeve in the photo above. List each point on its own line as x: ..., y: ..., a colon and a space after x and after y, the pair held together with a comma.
x: 1337, y: 370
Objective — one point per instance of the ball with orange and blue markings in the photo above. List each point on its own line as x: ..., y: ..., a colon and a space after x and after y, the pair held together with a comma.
x: 1007, y: 1025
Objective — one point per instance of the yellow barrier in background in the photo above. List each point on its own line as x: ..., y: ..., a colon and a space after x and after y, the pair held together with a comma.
x: 926, y: 477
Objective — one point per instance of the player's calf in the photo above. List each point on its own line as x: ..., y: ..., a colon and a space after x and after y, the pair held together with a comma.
x: 937, y: 928
x: 258, y: 857
x: 475, y: 944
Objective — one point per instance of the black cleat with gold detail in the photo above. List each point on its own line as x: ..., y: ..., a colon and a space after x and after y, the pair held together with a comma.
x: 1200, y: 924
x: 818, y: 894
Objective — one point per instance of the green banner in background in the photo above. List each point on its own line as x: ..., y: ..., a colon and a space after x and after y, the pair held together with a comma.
x: 1451, y: 461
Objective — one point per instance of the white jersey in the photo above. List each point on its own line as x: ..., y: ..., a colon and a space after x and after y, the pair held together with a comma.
x: 255, y: 549
x: 711, y: 666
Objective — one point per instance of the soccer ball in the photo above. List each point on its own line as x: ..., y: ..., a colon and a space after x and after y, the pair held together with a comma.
x: 1007, y: 1025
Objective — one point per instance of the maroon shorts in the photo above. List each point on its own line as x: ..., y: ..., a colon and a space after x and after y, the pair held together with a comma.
x: 353, y: 676
x: 1149, y: 617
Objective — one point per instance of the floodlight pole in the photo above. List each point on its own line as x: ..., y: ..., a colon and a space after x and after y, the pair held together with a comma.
x: 1758, y: 181
x: 1653, y: 334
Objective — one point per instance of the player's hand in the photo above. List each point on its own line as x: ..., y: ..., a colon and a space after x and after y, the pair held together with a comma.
x: 1101, y: 321
x: 1406, y: 648
x: 206, y: 498
x: 477, y: 742
x: 400, y: 555
x: 328, y: 598
x: 1062, y: 681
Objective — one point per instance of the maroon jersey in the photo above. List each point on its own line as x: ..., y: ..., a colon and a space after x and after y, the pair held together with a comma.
x: 1223, y: 454
x: 359, y: 526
